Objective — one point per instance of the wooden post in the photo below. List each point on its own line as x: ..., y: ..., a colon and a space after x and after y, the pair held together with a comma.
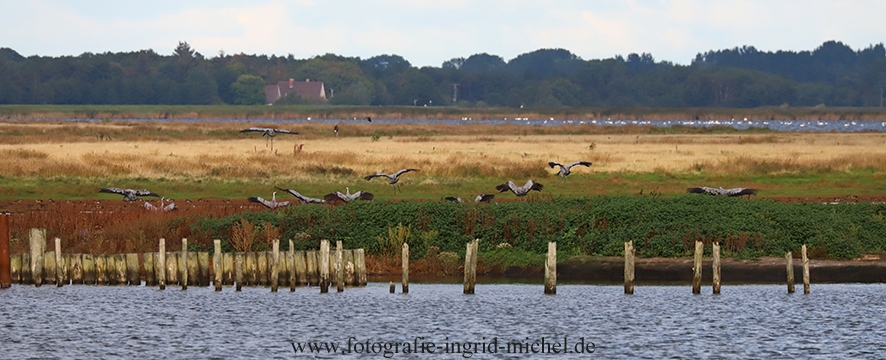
x: 184, y: 264
x: 360, y: 267
x: 470, y: 266
x: 59, y: 263
x: 262, y: 268
x: 789, y: 260
x: 275, y: 264
x: 132, y: 274
x: 629, y: 267
x: 339, y: 268
x: 88, y: 269
x: 238, y: 270
x: 120, y: 266
x: 250, y: 268
x: 25, y: 269
x: 5, y: 261
x: 312, y: 267
x: 150, y: 270
x: 392, y: 288
x: 101, y: 270
x: 15, y: 269
x: 160, y: 266
x: 301, y: 269
x: 324, y: 266
x: 75, y: 268
x: 172, y: 274
x: 228, y: 268
x: 405, y: 265
x: 217, y: 265
x: 715, y: 252
x: 347, y: 260
x: 696, y: 267
x: 291, y: 260
x: 49, y: 267
x: 551, y: 269
x: 202, y: 268
x: 805, y: 270
x: 38, y: 246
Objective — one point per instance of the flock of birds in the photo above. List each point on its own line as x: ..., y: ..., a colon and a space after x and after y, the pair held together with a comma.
x: 338, y: 197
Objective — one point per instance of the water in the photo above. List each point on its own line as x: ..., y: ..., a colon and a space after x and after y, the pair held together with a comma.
x: 750, y: 321
x: 778, y: 125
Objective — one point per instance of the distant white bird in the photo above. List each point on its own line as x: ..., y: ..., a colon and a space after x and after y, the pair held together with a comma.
x: 128, y: 194
x: 347, y: 196
x: 519, y: 190
x: 484, y: 198
x: 721, y: 191
x: 270, y: 204
x: 392, y: 178
x: 302, y: 198
x: 269, y: 132
x: 565, y: 170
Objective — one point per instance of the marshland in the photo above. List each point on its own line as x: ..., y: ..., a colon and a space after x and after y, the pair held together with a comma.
x: 54, y: 168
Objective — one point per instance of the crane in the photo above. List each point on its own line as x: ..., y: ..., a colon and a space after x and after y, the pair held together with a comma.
x: 303, y: 199
x: 128, y: 194
x: 565, y: 170
x: 347, y: 196
x: 520, y: 191
x: 269, y: 132
x: 721, y: 191
x: 270, y: 204
x: 392, y: 178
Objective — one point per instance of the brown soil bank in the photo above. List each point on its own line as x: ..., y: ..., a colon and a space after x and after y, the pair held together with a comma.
x: 762, y: 271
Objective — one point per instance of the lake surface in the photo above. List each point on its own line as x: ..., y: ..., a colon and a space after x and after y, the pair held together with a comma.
x: 750, y: 321
x: 778, y: 125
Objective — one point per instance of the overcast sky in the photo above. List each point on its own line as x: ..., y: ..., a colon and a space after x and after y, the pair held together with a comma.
x: 429, y: 32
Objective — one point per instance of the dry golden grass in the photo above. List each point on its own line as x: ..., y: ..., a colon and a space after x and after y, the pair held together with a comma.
x: 473, y: 152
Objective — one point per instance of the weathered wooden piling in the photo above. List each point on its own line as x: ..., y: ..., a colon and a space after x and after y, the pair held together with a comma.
x: 360, y: 267
x: 715, y: 253
x: 132, y: 271
x: 551, y: 269
x: 160, y: 265
x: 696, y: 267
x: 470, y: 266
x: 101, y: 270
x: 120, y: 269
x: 150, y: 272
x: 15, y: 269
x: 324, y: 266
x: 238, y: 270
x: 5, y: 260
x: 262, y: 268
x: 405, y: 265
x: 789, y: 261
x: 59, y: 264
x: 348, y: 262
x: 275, y: 264
x: 629, y: 267
x: 805, y: 269
x: 392, y: 288
x: 26, y: 268
x: 184, y: 264
x: 301, y: 269
x: 250, y: 268
x: 291, y: 260
x: 228, y: 266
x: 38, y: 247
x: 217, y: 264
x: 312, y: 261
x: 88, y: 269
x: 49, y: 267
x: 172, y: 268
x: 339, y: 268
x: 203, y: 268
x: 193, y: 269
x: 75, y: 268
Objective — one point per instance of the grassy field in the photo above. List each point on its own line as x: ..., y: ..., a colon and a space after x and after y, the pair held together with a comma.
x: 213, y: 160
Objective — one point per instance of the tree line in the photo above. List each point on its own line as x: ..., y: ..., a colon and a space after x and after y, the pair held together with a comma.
x: 831, y: 75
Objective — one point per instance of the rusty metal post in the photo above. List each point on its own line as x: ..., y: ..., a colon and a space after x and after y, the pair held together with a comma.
x: 5, y: 277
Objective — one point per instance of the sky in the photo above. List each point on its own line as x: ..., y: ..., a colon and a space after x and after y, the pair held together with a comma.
x: 430, y: 32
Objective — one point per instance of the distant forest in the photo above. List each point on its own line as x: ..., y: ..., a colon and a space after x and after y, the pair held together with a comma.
x: 831, y: 75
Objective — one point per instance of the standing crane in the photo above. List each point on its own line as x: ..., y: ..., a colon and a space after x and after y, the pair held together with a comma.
x: 269, y: 132
x: 520, y: 191
x: 565, y: 170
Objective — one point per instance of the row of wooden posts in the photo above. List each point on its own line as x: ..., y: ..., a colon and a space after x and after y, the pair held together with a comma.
x: 715, y: 267
x: 347, y: 267
x: 162, y: 268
